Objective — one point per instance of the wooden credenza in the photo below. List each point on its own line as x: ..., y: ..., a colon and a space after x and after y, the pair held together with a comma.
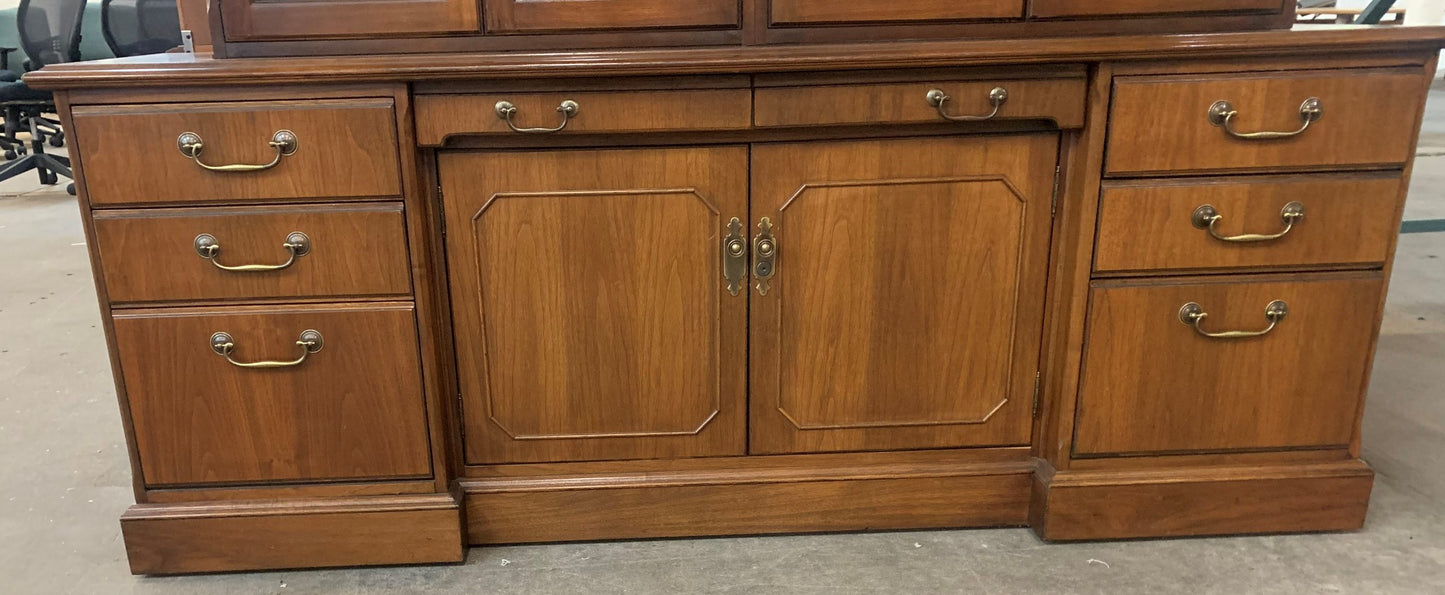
x: 712, y: 277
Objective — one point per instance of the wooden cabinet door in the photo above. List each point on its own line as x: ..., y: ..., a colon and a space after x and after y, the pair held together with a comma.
x: 907, y: 299
x: 592, y: 319
x: 543, y: 16
x: 817, y: 12
x: 253, y: 20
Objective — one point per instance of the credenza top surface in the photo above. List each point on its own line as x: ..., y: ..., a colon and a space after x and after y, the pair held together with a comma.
x: 178, y: 69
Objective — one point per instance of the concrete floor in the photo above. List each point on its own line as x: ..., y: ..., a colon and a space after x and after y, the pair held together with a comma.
x: 64, y: 477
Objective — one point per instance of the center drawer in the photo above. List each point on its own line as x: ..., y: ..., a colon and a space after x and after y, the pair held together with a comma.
x: 348, y: 406
x: 253, y: 252
x: 960, y: 100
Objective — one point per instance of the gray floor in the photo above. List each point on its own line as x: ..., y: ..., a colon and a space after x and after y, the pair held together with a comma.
x: 64, y: 477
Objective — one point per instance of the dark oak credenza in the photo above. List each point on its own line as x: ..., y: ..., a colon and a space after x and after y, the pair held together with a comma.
x: 644, y: 268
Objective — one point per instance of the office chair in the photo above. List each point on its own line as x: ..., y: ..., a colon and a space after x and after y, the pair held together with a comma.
x: 49, y: 34
x: 139, y: 27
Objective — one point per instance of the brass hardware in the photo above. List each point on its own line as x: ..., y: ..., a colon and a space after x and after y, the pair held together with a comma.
x: 1192, y: 314
x: 283, y: 141
x: 735, y: 256
x: 765, y: 254
x: 296, y: 243
x: 937, y: 98
x: 505, y: 111
x: 1222, y: 113
x: 1206, y: 216
x: 310, y: 342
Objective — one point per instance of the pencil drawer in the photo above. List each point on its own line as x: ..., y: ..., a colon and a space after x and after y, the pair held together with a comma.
x: 274, y: 394
x: 1307, y: 119
x: 152, y: 255
x: 1225, y: 364
x: 248, y: 151
x: 1223, y: 223
x: 539, y: 114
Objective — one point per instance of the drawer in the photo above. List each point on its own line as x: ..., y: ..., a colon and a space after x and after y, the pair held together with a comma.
x: 1365, y: 117
x: 345, y: 148
x: 1093, y: 8
x: 443, y: 115
x: 1256, y: 222
x: 249, y: 252
x: 351, y: 410
x: 1155, y: 384
x: 811, y: 12
x: 1057, y: 99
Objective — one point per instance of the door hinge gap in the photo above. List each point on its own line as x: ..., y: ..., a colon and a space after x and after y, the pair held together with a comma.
x: 1054, y: 198
x: 1037, y: 377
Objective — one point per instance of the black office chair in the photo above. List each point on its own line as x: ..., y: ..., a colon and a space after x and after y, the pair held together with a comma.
x: 49, y: 34
x: 139, y: 27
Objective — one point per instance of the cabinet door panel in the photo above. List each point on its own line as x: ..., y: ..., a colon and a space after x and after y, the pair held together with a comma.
x: 251, y: 20
x: 810, y: 12
x: 540, y: 16
x: 906, y: 305
x: 592, y: 319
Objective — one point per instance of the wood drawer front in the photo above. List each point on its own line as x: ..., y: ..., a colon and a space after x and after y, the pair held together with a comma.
x: 352, y: 410
x: 247, y: 20
x: 1057, y: 99
x: 531, y: 16
x: 818, y: 12
x: 346, y: 148
x: 1095, y: 8
x: 1150, y: 226
x: 440, y: 116
x: 351, y: 250
x: 1152, y: 384
x: 1161, y: 124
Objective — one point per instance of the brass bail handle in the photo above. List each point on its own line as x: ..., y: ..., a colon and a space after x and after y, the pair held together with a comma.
x: 310, y: 342
x: 283, y: 141
x: 209, y: 248
x: 937, y: 98
x: 1206, y: 216
x: 506, y: 111
x: 1222, y: 114
x: 1192, y: 314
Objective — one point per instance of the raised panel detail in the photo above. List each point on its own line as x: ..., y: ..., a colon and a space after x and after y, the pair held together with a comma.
x: 907, y: 302
x: 591, y: 313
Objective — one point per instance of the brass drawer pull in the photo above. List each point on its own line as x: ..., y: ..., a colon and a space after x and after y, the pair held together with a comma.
x: 765, y: 254
x: 1206, y: 216
x: 1222, y: 114
x: 1192, y: 314
x: 735, y: 256
x: 505, y: 111
x: 310, y: 342
x: 937, y: 98
x: 283, y: 141
x: 296, y: 243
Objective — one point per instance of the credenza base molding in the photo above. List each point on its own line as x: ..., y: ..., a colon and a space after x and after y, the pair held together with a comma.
x: 1084, y: 505
x: 271, y: 534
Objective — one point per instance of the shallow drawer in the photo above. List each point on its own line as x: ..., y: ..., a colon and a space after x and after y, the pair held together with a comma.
x: 253, y: 252
x: 1057, y: 99
x: 1094, y: 8
x: 440, y: 116
x: 1261, y: 121
x: 1153, y: 383
x: 806, y: 12
x: 349, y: 408
x: 1221, y: 223
x: 343, y: 148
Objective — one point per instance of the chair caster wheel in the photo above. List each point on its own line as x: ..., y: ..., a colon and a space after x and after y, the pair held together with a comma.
x: 57, y: 141
x: 49, y: 178
x: 11, y: 155
x: 70, y: 188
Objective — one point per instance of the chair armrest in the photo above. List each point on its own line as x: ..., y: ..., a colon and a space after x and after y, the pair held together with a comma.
x: 5, y: 57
